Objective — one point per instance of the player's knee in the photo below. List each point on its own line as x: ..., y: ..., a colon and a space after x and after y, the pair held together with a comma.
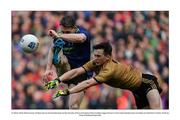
x: 154, y: 99
x: 74, y: 106
x: 155, y: 105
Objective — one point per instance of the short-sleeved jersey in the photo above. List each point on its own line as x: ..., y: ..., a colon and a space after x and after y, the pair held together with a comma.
x: 78, y: 53
x: 115, y: 74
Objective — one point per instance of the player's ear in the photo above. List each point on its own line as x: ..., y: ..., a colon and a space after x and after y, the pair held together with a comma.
x: 107, y: 55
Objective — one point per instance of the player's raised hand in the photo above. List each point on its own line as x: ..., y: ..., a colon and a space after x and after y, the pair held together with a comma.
x: 52, y: 33
x: 61, y: 93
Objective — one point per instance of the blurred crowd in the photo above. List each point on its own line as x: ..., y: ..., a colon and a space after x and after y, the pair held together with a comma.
x: 139, y: 38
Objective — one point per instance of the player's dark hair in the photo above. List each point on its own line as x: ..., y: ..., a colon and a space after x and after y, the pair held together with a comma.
x: 68, y: 22
x: 105, y: 46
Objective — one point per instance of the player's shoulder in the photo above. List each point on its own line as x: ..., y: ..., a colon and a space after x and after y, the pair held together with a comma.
x: 81, y: 29
x: 112, y: 63
x: 90, y: 63
x: 109, y: 66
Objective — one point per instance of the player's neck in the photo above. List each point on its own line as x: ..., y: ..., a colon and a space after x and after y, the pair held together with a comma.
x: 107, y: 60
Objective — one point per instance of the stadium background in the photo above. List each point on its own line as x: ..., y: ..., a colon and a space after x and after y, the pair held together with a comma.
x: 139, y: 38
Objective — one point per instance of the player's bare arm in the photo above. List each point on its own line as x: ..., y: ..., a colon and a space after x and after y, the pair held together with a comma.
x: 48, y: 66
x: 65, y: 77
x: 83, y: 85
x: 71, y: 37
x: 49, y: 62
x: 72, y: 74
x: 80, y: 87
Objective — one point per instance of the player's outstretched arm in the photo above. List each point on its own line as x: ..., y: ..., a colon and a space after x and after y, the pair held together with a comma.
x: 71, y: 37
x: 83, y: 85
x: 65, y: 77
x: 80, y: 87
x: 72, y: 74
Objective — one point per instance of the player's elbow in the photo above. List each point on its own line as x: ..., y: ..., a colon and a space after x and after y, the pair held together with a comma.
x: 81, y: 41
x: 81, y: 38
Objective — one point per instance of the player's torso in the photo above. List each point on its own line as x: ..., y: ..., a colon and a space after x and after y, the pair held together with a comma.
x: 123, y: 76
x: 77, y: 53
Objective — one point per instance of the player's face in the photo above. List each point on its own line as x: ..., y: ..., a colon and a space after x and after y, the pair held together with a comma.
x: 99, y: 57
x: 67, y: 30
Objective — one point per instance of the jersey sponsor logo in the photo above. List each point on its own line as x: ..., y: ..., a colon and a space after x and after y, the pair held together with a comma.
x: 68, y: 50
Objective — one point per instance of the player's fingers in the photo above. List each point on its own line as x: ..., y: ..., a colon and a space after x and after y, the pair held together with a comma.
x: 51, y: 73
x: 50, y: 33
x: 46, y: 87
x: 44, y: 79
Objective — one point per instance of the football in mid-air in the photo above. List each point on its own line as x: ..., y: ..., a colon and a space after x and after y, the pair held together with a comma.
x: 29, y: 43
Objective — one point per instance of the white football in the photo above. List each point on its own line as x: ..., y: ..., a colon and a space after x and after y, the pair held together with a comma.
x: 29, y: 43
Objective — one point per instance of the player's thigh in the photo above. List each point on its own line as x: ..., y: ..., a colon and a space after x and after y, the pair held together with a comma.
x: 63, y: 65
x: 76, y: 98
x: 63, y: 59
x: 154, y: 99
